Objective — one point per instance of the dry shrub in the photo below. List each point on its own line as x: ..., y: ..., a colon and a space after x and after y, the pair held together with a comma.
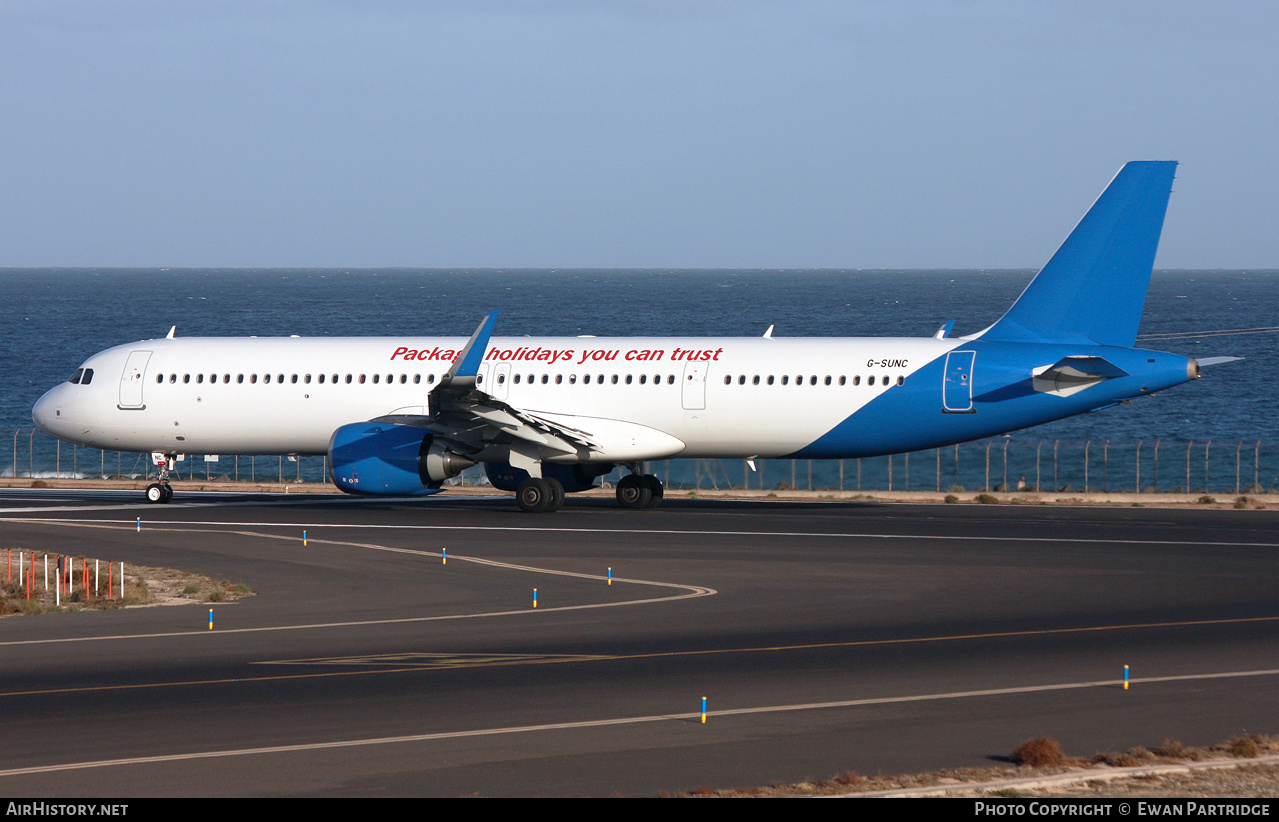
x: 1042, y: 752
x: 1245, y: 747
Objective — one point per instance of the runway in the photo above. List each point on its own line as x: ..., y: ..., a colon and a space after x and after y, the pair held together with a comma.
x: 825, y: 637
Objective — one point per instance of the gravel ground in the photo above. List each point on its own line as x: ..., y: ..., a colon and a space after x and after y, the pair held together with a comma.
x: 1246, y: 767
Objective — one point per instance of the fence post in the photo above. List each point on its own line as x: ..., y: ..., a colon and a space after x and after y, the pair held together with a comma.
x: 30, y: 453
x: 841, y: 475
x: 859, y: 473
x: 890, y: 472
x: 906, y: 481
x: 1056, y: 486
x: 938, y: 470
x: 1087, y: 445
x: 810, y: 475
x: 1105, y: 468
x: 1156, y: 483
x: 1038, y: 448
x: 1207, y: 445
x: 16, y: 432
x: 1256, y: 467
x: 1138, y: 488
x: 1006, y: 441
x: 987, y: 487
x: 956, y: 464
x: 1238, y: 448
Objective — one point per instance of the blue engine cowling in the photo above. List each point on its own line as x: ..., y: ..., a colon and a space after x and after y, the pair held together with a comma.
x: 579, y: 477
x: 398, y: 460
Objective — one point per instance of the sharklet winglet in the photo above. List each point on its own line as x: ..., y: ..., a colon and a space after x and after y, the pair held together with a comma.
x: 467, y: 363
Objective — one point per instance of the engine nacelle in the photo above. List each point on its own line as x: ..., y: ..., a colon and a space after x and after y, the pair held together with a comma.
x: 579, y: 477
x: 388, y: 459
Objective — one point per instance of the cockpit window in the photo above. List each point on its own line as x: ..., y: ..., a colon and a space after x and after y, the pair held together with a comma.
x: 75, y: 378
x: 88, y: 376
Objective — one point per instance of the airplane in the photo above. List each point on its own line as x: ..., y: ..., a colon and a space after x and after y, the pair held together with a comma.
x: 548, y: 416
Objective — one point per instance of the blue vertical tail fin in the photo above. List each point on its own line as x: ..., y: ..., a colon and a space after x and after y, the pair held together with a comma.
x: 1093, y: 289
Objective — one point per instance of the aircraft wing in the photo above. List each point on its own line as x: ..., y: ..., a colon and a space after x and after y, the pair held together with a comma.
x: 472, y: 420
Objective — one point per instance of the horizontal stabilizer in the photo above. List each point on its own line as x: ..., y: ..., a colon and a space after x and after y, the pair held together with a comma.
x: 1073, y: 374
x: 1217, y: 360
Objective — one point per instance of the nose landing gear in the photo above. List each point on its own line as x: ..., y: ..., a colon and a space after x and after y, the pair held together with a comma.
x: 161, y: 492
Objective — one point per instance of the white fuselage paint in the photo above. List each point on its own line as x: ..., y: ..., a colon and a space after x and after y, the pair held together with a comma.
x: 267, y: 397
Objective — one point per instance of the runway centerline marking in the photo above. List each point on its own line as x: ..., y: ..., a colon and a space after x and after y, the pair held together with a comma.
x: 163, y: 524
x: 493, y: 660
x: 616, y: 722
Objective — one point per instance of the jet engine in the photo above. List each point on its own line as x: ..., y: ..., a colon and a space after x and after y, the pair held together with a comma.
x: 397, y: 460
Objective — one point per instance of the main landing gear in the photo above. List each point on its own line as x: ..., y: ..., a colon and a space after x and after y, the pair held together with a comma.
x: 639, y: 491
x: 537, y: 495
x: 161, y: 492
x: 541, y: 495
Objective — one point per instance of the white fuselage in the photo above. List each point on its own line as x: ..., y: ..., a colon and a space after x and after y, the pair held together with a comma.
x: 642, y: 398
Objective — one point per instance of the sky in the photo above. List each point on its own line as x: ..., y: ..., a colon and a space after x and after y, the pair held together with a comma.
x: 625, y: 134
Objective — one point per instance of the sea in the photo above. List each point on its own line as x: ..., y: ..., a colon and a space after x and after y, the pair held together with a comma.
x: 1226, y: 423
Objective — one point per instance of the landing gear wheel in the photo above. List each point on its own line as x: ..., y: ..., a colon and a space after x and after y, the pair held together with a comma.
x: 557, y: 494
x: 633, y: 491
x: 535, y: 495
x: 656, y: 490
x: 168, y: 493
x: 157, y: 493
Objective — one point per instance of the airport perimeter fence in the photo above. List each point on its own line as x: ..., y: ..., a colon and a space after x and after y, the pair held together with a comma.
x: 996, y: 464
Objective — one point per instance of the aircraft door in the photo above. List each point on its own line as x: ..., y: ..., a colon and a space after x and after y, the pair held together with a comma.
x: 957, y: 387
x: 694, y: 390
x: 135, y: 370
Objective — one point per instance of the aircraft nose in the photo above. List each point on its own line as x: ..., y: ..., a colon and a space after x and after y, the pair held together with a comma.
x: 47, y: 413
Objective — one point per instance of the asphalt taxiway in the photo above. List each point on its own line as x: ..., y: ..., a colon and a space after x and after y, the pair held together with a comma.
x: 824, y: 636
